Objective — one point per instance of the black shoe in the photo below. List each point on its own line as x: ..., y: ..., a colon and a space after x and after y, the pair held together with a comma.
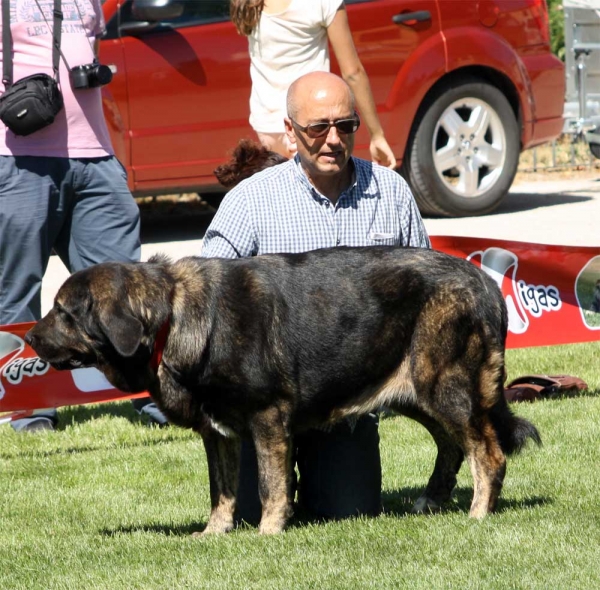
x: 153, y: 415
x: 33, y: 424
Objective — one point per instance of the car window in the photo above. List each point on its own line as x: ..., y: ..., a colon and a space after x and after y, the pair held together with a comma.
x: 195, y: 12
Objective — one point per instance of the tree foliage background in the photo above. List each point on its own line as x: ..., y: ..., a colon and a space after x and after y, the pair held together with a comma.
x: 557, y: 27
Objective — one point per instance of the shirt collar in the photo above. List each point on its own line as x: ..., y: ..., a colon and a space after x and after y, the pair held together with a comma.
x: 357, y: 175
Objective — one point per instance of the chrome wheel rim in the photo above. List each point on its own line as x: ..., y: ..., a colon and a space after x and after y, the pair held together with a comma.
x: 469, y: 147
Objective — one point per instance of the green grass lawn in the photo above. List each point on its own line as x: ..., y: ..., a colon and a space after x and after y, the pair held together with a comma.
x: 105, y: 502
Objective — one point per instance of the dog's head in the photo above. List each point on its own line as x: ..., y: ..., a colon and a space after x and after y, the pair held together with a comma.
x: 99, y: 320
x: 248, y: 158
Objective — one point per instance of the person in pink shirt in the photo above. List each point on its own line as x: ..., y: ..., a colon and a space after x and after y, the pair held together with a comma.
x: 61, y: 188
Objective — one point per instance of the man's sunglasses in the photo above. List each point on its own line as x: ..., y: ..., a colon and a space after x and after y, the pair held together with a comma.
x: 343, y: 126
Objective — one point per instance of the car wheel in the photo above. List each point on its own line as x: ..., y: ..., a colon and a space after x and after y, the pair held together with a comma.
x: 464, y: 152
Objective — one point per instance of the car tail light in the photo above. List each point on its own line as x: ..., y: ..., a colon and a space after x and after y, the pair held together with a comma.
x: 539, y: 10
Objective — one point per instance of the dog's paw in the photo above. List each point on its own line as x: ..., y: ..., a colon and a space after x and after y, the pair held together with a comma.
x: 215, y: 527
x: 271, y: 527
x: 425, y: 505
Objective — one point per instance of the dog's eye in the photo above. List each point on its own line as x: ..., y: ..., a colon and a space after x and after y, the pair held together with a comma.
x: 62, y: 313
x: 60, y: 310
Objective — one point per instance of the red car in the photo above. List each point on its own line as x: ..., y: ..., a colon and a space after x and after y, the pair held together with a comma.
x: 461, y: 86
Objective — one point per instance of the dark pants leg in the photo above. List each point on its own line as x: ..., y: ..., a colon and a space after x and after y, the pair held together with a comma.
x: 340, y: 472
x: 248, y: 505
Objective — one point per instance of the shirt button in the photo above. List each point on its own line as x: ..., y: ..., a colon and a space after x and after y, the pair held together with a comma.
x: 326, y: 203
x: 338, y: 242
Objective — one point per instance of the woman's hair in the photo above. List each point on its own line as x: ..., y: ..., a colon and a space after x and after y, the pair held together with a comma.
x: 245, y: 14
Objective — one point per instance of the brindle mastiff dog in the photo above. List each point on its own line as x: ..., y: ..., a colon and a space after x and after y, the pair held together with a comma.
x: 267, y: 346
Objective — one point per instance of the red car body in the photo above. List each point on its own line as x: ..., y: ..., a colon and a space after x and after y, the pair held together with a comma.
x: 179, y: 100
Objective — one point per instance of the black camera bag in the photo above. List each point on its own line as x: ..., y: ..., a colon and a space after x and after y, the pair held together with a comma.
x: 33, y: 102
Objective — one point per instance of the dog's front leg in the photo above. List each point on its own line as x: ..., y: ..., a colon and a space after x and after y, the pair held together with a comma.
x: 273, y: 451
x: 223, y: 456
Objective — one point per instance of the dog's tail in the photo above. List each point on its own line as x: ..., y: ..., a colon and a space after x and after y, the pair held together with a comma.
x: 247, y: 158
x: 513, y: 432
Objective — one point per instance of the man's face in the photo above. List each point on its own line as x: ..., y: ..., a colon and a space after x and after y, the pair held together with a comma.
x: 328, y: 155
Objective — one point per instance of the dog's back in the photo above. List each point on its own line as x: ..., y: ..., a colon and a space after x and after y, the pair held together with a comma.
x: 372, y: 308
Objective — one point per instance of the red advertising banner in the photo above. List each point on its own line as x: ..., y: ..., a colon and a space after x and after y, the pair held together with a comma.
x: 28, y: 383
x: 552, y: 294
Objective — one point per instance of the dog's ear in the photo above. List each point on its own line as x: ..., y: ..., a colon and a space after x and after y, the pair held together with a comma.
x: 122, y: 329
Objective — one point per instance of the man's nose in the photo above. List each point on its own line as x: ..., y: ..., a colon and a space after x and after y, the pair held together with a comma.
x: 332, y: 135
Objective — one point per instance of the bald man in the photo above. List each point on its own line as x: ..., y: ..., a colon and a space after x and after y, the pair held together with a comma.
x: 322, y: 198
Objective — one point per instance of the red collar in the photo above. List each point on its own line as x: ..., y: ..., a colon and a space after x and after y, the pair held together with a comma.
x: 159, y: 344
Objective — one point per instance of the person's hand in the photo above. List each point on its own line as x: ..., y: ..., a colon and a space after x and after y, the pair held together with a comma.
x: 382, y: 153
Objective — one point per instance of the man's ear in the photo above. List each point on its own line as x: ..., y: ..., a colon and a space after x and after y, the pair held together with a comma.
x: 289, y: 130
x: 122, y: 329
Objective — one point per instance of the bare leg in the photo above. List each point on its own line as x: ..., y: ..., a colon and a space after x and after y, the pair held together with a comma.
x: 278, y: 142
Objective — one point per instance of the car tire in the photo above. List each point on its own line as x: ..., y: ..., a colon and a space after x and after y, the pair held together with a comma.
x: 463, y: 154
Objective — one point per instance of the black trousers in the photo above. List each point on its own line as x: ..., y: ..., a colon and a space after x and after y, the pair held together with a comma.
x: 339, y: 472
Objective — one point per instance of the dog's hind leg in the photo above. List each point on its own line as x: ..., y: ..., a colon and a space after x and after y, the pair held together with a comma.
x: 488, y: 467
x: 273, y: 445
x: 447, y: 464
x: 223, y: 456
x: 462, y: 422
x: 469, y: 423
x: 481, y: 443
x: 486, y: 460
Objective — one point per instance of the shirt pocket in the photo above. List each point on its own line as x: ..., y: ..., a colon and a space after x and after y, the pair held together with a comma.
x: 382, y: 238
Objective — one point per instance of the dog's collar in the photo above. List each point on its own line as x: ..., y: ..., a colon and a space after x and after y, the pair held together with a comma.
x: 159, y: 344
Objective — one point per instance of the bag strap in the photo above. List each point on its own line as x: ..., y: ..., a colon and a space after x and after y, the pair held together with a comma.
x: 56, y: 36
x: 7, y: 44
x: 7, y: 65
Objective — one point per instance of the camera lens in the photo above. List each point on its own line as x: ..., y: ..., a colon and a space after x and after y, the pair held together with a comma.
x: 78, y: 77
x: 103, y: 75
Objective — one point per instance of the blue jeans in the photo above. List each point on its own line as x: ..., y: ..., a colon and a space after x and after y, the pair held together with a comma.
x: 80, y: 208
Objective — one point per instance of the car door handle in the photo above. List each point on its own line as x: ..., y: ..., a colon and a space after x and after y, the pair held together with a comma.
x: 410, y: 18
x: 136, y: 28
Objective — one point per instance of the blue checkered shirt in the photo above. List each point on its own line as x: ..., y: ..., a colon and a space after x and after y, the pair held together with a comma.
x: 278, y: 210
